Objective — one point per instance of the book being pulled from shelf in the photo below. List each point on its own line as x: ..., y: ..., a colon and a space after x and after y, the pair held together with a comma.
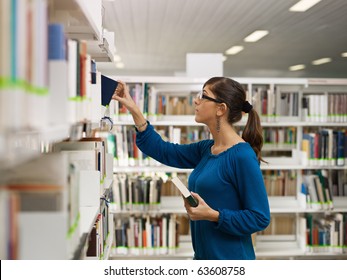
x: 108, y: 87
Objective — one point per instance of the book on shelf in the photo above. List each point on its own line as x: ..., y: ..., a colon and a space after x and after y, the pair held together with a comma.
x: 56, y: 42
x: 339, y: 147
x: 338, y: 180
x: 319, y: 190
x: 95, y: 243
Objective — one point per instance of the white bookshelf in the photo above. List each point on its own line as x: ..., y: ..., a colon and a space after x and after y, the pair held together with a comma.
x: 34, y: 117
x: 82, y: 20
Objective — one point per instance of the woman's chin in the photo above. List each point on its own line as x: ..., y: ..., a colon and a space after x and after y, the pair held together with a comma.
x: 197, y: 119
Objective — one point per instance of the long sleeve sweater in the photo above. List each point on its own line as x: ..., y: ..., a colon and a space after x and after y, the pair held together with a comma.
x: 230, y: 182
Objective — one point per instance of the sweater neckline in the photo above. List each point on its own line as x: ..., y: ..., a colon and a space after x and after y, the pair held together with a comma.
x: 225, y: 151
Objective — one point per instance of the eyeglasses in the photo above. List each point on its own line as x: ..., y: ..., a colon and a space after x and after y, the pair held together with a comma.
x: 201, y: 95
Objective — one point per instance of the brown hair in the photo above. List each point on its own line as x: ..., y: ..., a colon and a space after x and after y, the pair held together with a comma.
x: 234, y: 96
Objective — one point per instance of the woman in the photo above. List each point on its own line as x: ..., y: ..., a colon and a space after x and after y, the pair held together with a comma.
x: 226, y: 180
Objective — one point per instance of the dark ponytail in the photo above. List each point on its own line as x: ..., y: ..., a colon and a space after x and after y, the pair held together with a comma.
x: 253, y: 133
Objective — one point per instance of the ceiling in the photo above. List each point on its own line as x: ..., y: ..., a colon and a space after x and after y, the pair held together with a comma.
x: 152, y: 37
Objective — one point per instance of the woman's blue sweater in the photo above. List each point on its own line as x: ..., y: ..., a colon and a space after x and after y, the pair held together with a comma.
x: 230, y: 182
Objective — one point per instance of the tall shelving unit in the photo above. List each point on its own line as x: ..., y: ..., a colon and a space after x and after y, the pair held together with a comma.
x: 34, y: 118
x: 285, y: 156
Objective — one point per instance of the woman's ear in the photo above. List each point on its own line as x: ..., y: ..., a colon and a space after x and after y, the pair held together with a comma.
x: 222, y: 109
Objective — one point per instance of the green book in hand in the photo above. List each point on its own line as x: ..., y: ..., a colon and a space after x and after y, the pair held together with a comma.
x: 185, y: 192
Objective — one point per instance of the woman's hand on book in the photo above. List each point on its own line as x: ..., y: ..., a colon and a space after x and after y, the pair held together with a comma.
x: 202, y: 212
x: 122, y: 95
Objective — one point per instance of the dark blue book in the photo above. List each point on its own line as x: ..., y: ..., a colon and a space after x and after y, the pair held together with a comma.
x: 108, y: 86
x: 341, y: 146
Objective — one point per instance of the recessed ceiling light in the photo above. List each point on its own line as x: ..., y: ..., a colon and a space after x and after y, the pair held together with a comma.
x: 234, y: 50
x: 344, y: 54
x: 256, y: 35
x: 303, y: 5
x: 321, y: 61
x: 297, y: 67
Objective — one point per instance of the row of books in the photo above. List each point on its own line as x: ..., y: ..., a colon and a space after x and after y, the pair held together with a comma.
x: 280, y: 136
x: 321, y: 186
x: 324, y: 107
x: 325, y: 147
x: 45, y: 78
x: 284, y: 224
x: 326, y: 233
x: 322, y: 233
x: 145, y: 235
x: 154, y: 104
x: 274, y: 103
x: 131, y: 192
x: 144, y: 192
x: 24, y: 65
x: 280, y: 182
x: 97, y: 238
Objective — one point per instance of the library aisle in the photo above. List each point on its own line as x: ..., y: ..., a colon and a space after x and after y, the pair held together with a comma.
x: 74, y: 185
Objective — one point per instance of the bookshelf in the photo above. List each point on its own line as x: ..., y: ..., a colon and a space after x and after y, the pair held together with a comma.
x: 285, y: 119
x: 53, y: 199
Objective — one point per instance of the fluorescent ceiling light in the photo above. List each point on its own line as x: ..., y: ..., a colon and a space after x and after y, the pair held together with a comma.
x: 344, y: 54
x: 120, y: 65
x: 256, y: 35
x: 297, y: 67
x: 303, y: 5
x: 234, y: 50
x: 116, y: 58
x: 224, y: 58
x: 321, y: 61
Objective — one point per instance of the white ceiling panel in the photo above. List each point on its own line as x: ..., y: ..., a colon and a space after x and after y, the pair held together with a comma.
x: 153, y: 36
